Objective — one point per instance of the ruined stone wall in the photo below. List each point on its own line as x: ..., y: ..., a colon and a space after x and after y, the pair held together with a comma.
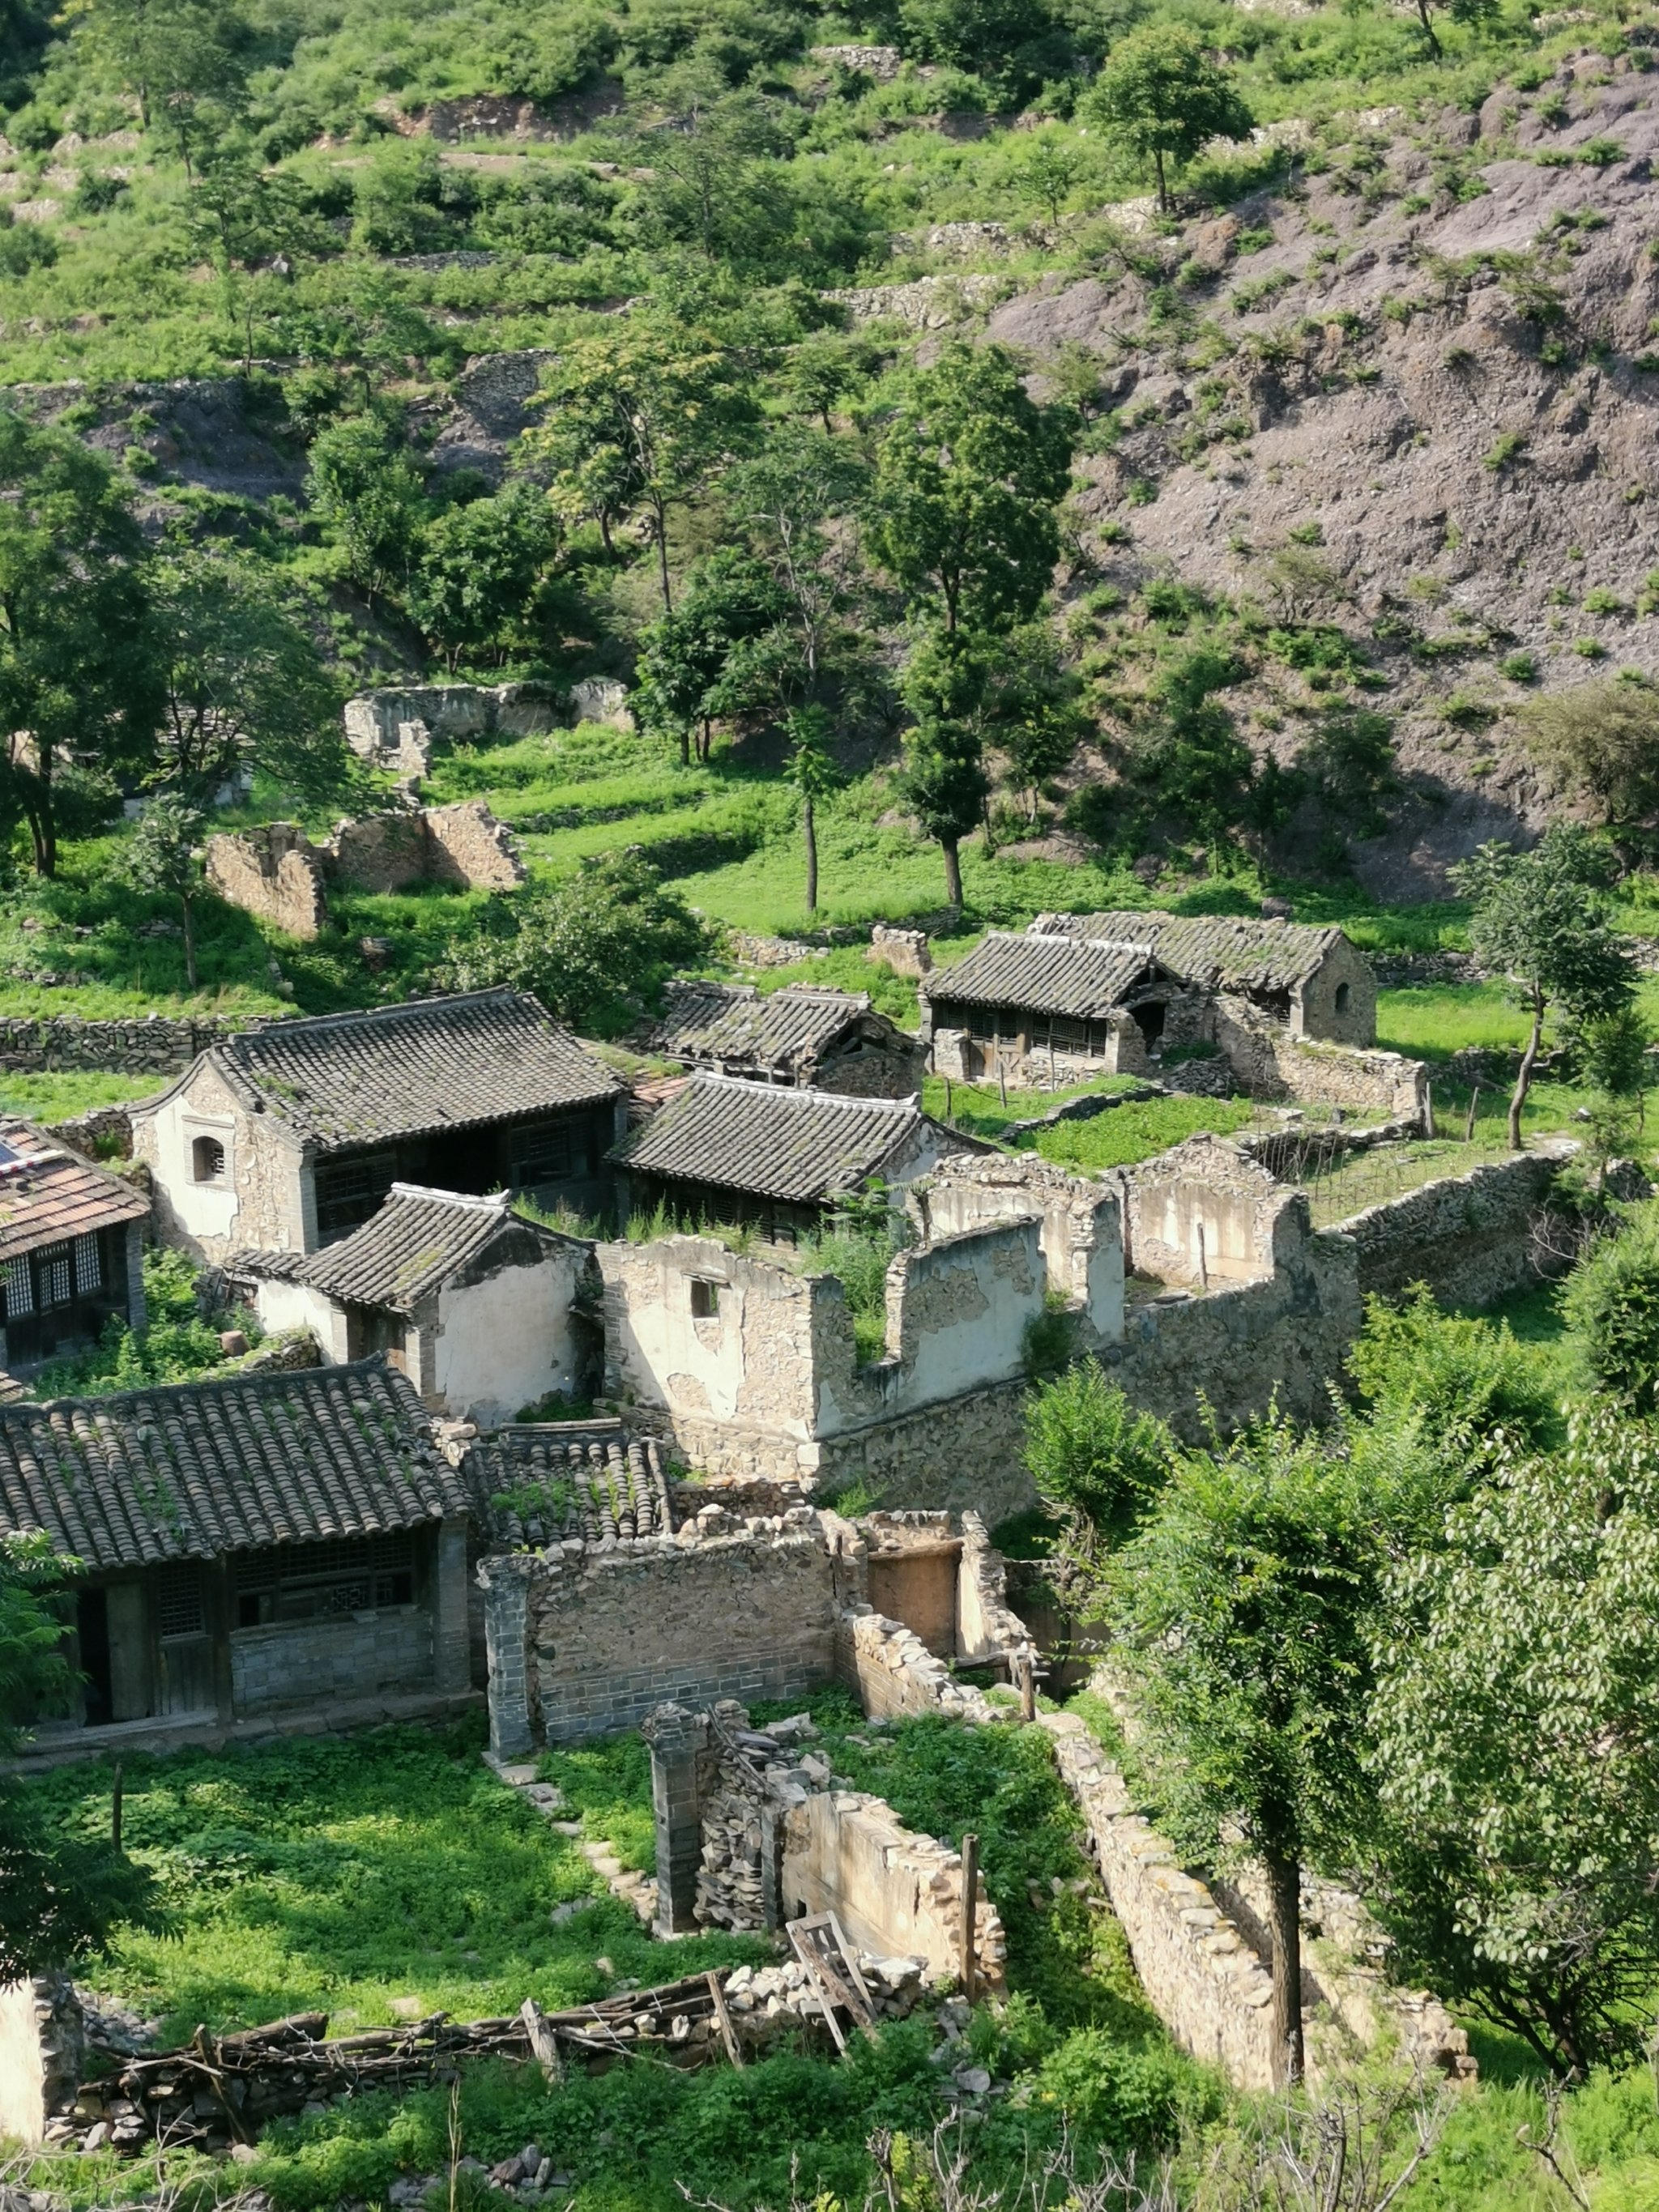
x: 379, y: 852
x: 42, y: 2054
x: 273, y: 872
x: 468, y: 849
x: 1270, y: 1061
x: 1240, y: 1349
x: 1470, y: 1238
x: 1205, y: 1212
x: 612, y: 1632
x: 1082, y: 1236
x: 906, y: 951
x: 152, y: 1045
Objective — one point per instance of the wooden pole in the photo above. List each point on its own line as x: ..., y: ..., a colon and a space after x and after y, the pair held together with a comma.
x: 1027, y: 1689
x: 1428, y: 1109
x: 115, y: 1809
x: 949, y: 1115
x: 1468, y: 1126
x: 1203, y: 1259
x: 970, y: 1912
x: 1002, y: 1079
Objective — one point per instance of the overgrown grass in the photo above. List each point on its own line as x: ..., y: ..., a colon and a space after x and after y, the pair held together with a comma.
x: 63, y: 1094
x: 1128, y: 1133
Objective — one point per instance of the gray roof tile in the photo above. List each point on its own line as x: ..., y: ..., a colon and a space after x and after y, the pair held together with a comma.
x: 365, y: 1078
x: 803, y: 1145
x: 1080, y: 979
x: 1213, y: 950
x: 785, y: 1032
x: 197, y: 1469
x: 560, y: 1479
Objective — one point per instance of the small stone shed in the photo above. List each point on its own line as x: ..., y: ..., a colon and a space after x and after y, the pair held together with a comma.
x: 816, y: 1040
x: 70, y: 1248
x: 479, y: 1307
x: 288, y: 1138
x: 271, y: 1541
x: 727, y: 1151
x: 1074, y: 1007
x: 1313, y: 979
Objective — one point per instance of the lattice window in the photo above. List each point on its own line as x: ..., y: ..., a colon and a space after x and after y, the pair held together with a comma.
x: 179, y: 1601
x: 54, y: 1275
x: 88, y: 1263
x: 349, y: 1191
x: 19, y: 1288
x: 542, y: 1155
x: 308, y: 1582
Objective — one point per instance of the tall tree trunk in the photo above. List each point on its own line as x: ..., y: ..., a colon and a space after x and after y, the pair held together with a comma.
x: 604, y: 534
x: 1523, y: 1074
x: 809, y: 830
x: 43, y: 827
x: 190, y: 943
x: 661, y: 514
x: 1435, y: 47
x: 1163, y: 189
x: 952, y: 872
x: 1284, y: 1920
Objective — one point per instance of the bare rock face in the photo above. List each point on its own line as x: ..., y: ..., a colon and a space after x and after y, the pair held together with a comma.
x: 1424, y: 368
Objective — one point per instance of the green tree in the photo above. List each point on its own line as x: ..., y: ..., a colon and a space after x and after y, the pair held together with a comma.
x: 694, y: 663
x: 242, y: 214
x: 1048, y: 174
x: 639, y: 416
x: 59, y: 1896
x: 1541, y: 919
x: 1460, y: 11
x: 713, y: 156
x: 1601, y: 742
x: 821, y: 368
x: 1350, y: 761
x: 969, y: 471
x: 1245, y: 1602
x: 1456, y: 1377
x: 1012, y: 45
x: 812, y: 771
x: 78, y: 675
x: 1095, y: 1461
x: 944, y: 781
x: 242, y: 681
x: 183, y: 61
x: 481, y: 568
x: 1514, y: 1750
x: 596, y: 947
x: 365, y: 492
x: 164, y: 854
x: 1032, y: 710
x: 789, y: 496
x: 1163, y: 98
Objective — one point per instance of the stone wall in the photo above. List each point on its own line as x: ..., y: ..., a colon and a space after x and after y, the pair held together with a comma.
x: 1269, y: 1061
x: 906, y: 951
x: 295, y: 1664
x: 105, y: 1133
x: 611, y: 1632
x: 1205, y: 1212
x: 273, y: 872
x: 42, y: 2054
x: 151, y: 1046
x: 1470, y: 1238
x: 276, y: 873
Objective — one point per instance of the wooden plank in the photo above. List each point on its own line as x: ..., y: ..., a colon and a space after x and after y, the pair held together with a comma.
x: 728, y: 2036
x: 970, y: 1912
x: 542, y: 2041
x: 849, y: 1959
x: 806, y: 1952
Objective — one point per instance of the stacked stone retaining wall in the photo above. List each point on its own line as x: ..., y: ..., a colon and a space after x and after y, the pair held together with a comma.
x: 154, y: 1045
x: 1471, y: 1238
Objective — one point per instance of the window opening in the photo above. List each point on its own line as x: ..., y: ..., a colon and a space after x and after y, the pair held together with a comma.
x: 705, y: 1300
x: 207, y: 1157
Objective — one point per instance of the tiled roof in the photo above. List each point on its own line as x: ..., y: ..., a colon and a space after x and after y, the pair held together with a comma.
x: 198, y: 1469
x: 364, y: 1079
x: 48, y: 1194
x: 567, y: 1479
x: 1212, y: 948
x: 784, y: 1031
x: 1081, y: 979
x: 768, y: 1141
x: 417, y: 1239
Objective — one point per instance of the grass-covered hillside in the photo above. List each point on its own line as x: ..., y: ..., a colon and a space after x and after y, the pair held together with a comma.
x: 837, y: 382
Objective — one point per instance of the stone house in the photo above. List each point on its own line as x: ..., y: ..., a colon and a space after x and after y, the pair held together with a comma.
x: 271, y: 1540
x: 288, y: 1138
x: 481, y: 1309
x: 731, y: 1151
x: 1065, y: 1007
x: 1313, y: 980
x: 70, y: 1249
x: 817, y: 1040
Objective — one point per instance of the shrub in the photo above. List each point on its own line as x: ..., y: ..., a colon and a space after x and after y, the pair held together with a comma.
x: 1611, y: 1304
x: 1519, y: 667
x: 1092, y: 1457
x: 1453, y: 1371
x: 1507, y: 448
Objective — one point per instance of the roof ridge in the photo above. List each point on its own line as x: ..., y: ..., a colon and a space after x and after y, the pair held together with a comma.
x: 489, y: 1201
x: 403, y: 1009
x: 264, y: 1379
x: 805, y: 1090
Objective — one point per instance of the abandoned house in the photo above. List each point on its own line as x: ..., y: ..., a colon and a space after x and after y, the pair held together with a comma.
x: 70, y: 1249
x: 817, y: 1040
x: 271, y: 1540
x: 1074, y: 1007
x: 1312, y: 980
x: 287, y: 1139
x: 731, y: 1151
x: 481, y: 1309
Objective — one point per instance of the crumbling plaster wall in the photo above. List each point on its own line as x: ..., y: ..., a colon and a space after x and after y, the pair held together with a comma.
x: 505, y: 1330
x: 264, y: 1196
x: 1081, y: 1235
x: 1204, y: 1212
x: 42, y: 2054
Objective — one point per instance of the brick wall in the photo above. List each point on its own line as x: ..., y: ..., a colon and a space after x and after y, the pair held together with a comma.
x: 312, y: 1662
